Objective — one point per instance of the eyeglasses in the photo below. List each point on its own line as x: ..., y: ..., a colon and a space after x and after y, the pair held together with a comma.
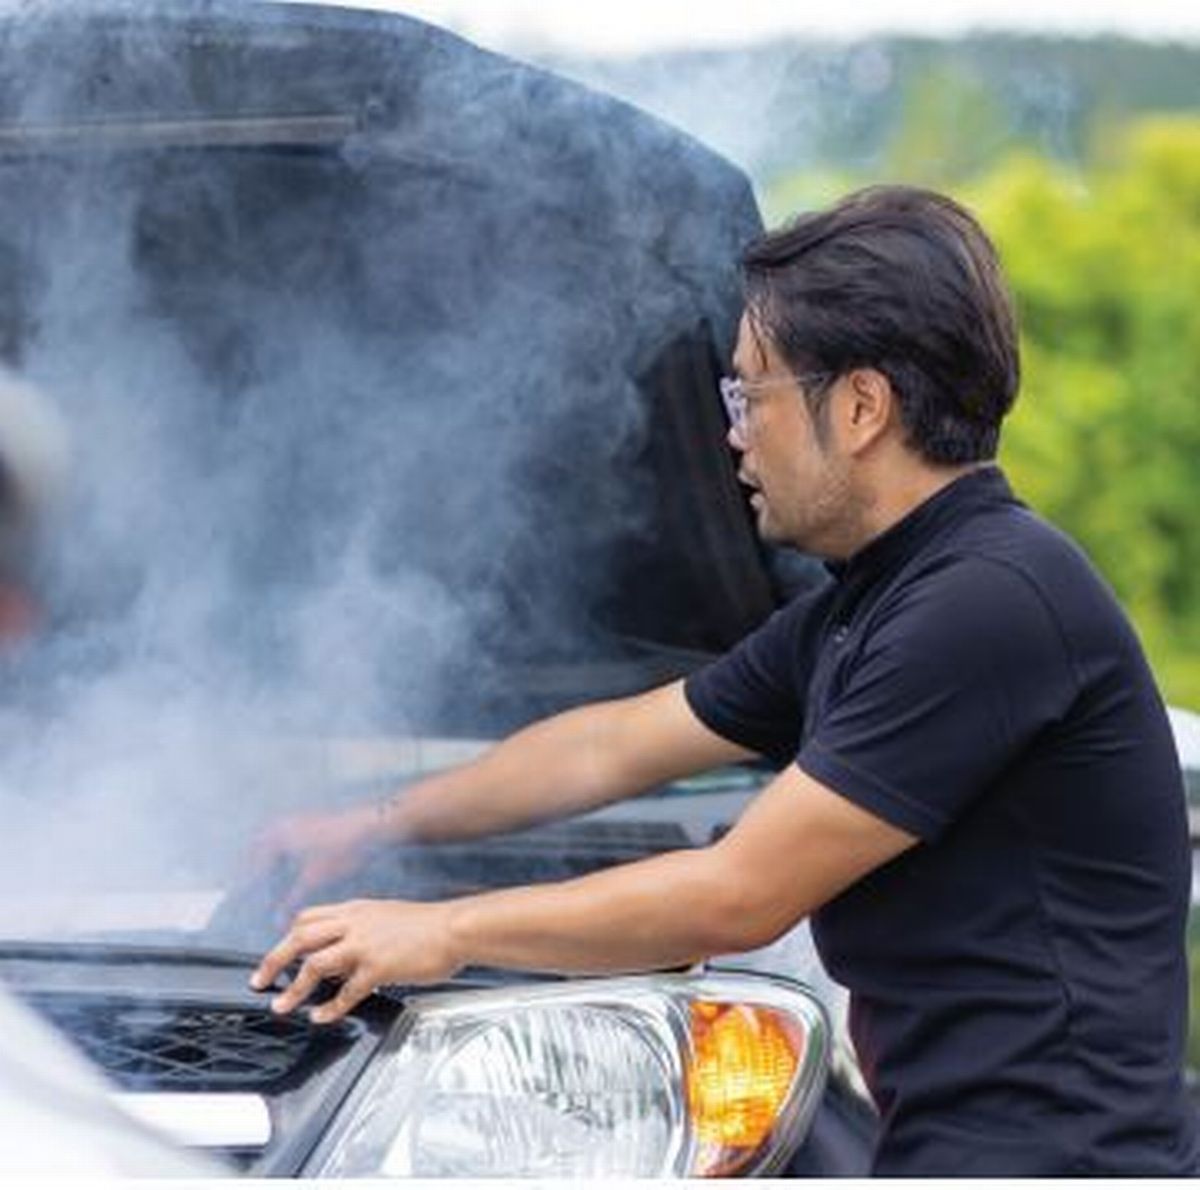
x: 736, y: 393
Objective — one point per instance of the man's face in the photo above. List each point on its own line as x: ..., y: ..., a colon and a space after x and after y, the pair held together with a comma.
x: 802, y: 494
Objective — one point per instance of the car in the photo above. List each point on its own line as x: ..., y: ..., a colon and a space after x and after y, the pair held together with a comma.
x: 389, y: 368
x: 390, y: 371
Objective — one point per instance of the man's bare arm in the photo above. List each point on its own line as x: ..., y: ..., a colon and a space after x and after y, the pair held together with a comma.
x: 798, y: 845
x: 572, y: 762
x: 569, y: 763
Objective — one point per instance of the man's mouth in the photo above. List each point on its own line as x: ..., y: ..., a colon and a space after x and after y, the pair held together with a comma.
x: 757, y: 500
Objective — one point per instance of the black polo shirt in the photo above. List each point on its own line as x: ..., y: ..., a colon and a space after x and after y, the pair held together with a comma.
x: 1018, y: 979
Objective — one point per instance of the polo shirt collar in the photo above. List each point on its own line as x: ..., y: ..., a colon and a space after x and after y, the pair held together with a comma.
x: 976, y: 489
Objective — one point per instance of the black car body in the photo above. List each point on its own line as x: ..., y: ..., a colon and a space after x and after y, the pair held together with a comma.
x: 390, y: 367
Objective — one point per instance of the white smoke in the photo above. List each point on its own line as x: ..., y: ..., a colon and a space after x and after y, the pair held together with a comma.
x: 352, y: 428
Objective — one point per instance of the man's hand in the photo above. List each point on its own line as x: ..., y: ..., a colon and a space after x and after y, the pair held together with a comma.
x: 364, y: 944
x: 322, y: 846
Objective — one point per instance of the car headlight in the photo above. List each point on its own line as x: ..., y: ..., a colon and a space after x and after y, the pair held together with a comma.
x: 683, y: 1075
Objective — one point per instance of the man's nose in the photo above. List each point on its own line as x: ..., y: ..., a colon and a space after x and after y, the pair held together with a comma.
x: 734, y: 437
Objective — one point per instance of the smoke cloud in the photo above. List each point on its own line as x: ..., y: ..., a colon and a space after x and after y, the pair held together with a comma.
x: 349, y: 325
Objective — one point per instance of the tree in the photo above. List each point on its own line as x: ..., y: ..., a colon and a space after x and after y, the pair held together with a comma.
x: 1104, y: 441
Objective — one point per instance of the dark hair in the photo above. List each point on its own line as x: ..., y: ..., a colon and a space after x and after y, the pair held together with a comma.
x: 905, y: 281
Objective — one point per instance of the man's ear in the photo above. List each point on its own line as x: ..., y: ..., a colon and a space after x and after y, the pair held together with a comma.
x: 869, y: 406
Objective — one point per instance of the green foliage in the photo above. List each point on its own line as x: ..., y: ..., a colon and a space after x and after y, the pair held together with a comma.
x: 952, y: 124
x: 804, y: 191
x: 1105, y: 439
x: 1104, y: 263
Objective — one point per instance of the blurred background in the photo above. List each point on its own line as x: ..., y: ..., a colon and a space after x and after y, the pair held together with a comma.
x: 1073, y: 133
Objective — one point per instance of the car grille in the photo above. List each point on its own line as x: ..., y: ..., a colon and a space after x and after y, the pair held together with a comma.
x: 184, y: 1047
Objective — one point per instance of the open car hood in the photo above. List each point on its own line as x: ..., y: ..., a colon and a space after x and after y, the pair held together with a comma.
x: 388, y: 360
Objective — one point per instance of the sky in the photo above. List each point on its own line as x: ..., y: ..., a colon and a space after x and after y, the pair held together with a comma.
x: 625, y: 26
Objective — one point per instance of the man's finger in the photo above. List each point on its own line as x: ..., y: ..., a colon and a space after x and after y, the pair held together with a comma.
x: 300, y: 939
x: 324, y: 964
x: 276, y: 841
x: 273, y: 962
x: 356, y: 989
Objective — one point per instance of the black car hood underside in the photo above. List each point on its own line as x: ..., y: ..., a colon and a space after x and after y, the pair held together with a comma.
x: 417, y: 309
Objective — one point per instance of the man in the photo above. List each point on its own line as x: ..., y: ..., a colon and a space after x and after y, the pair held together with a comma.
x: 979, y: 807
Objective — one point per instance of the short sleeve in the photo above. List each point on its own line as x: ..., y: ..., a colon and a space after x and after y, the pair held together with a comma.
x: 962, y: 670
x: 753, y: 695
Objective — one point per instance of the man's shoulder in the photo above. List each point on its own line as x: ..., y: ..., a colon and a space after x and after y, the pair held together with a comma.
x: 1013, y: 532
x: 1012, y: 546
x: 1011, y: 573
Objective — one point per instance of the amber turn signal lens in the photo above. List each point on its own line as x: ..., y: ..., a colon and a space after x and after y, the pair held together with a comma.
x: 744, y: 1058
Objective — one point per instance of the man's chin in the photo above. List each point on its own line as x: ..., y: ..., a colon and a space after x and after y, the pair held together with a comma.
x: 764, y: 523
x: 770, y: 531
